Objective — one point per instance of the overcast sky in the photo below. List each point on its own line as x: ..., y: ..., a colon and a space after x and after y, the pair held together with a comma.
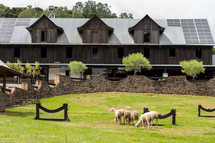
x: 158, y: 9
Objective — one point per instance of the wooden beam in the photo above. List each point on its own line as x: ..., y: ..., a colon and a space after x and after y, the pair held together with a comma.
x: 4, y: 82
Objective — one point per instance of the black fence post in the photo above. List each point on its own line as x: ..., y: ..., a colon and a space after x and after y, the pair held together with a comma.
x: 199, y: 107
x: 66, y: 112
x: 173, y: 116
x: 37, y: 111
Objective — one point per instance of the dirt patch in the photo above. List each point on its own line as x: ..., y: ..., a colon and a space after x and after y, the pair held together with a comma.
x: 204, y: 103
x: 122, y: 131
x: 10, y: 114
x: 6, y: 138
x: 48, y: 136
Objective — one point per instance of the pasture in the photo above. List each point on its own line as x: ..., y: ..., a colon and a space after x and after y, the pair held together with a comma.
x: 92, y: 121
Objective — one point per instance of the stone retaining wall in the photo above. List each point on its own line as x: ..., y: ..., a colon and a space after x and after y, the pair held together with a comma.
x: 98, y: 83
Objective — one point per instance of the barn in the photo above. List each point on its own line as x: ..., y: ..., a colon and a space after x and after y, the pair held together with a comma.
x: 102, y: 43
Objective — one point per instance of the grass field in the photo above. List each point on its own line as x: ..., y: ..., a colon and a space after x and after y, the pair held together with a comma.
x: 92, y: 121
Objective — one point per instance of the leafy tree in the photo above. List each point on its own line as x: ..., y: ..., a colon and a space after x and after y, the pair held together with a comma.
x: 192, y: 68
x: 125, y: 15
x: 33, y: 71
x: 136, y: 62
x: 90, y: 8
x: 77, y: 67
x: 17, y: 66
x: 213, y: 50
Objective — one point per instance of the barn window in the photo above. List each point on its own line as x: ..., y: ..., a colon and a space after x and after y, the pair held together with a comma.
x: 120, y: 52
x: 17, y: 52
x: 172, y: 52
x: 43, y: 51
x: 43, y: 36
x: 69, y: 52
x: 147, y: 53
x: 198, y: 53
x: 146, y: 37
x: 95, y: 52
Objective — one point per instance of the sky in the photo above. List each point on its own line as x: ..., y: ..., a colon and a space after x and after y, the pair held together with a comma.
x: 157, y: 9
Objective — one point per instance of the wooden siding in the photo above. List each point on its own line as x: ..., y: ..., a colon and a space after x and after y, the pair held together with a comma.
x: 44, y: 24
x: 106, y: 54
x: 95, y: 31
x: 146, y: 25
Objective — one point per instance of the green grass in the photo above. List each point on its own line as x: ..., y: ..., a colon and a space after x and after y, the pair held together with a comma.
x: 92, y: 121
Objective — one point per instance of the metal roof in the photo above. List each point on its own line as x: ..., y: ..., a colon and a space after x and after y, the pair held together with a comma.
x: 172, y: 35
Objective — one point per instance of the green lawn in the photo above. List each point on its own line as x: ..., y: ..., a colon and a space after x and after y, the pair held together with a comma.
x: 92, y: 121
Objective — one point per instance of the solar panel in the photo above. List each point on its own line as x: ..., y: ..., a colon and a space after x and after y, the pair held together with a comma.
x: 173, y: 22
x: 204, y: 32
x: 190, y: 33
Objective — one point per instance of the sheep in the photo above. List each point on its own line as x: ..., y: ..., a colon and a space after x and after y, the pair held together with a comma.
x: 134, y: 116
x: 146, y: 117
x: 127, y: 117
x: 154, y: 115
x: 118, y: 114
x: 128, y: 108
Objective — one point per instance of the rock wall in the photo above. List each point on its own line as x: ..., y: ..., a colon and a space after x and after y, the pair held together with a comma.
x: 98, y: 83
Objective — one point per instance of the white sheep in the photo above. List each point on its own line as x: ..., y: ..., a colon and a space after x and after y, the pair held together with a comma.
x: 128, y: 108
x: 118, y: 114
x: 146, y: 117
x: 154, y: 115
x: 134, y: 116
x: 127, y: 117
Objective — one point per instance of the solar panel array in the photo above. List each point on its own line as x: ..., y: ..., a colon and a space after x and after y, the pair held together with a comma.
x: 203, y: 31
x: 196, y: 31
x: 173, y: 22
x: 7, y: 26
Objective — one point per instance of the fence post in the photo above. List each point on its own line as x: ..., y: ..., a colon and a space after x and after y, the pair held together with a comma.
x: 173, y: 116
x: 145, y: 110
x: 66, y: 112
x: 37, y: 111
x: 199, y: 107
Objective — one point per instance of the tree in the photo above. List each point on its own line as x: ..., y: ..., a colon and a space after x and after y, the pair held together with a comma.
x: 18, y: 66
x: 213, y: 50
x: 136, y: 62
x: 77, y: 67
x: 125, y: 15
x: 90, y: 8
x: 33, y: 71
x: 192, y: 68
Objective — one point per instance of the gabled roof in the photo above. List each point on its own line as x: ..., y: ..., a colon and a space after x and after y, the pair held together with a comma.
x: 131, y: 29
x: 60, y: 30
x: 95, y: 17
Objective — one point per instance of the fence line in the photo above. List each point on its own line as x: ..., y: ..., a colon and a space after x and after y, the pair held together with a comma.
x: 171, y: 113
x: 207, y: 110
x: 64, y: 107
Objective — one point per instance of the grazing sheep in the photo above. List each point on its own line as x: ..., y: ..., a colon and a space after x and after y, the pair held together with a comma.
x: 127, y: 117
x: 146, y: 117
x: 154, y: 115
x: 128, y: 108
x: 118, y: 114
x: 134, y: 116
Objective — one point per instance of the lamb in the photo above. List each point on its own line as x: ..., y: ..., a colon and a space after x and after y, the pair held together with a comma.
x: 134, y: 116
x: 127, y: 117
x: 154, y: 115
x: 128, y: 108
x: 146, y: 117
x: 118, y: 114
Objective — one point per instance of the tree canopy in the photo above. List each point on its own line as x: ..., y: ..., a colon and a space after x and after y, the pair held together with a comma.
x: 77, y: 67
x: 192, y: 68
x: 80, y: 10
x: 135, y: 61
